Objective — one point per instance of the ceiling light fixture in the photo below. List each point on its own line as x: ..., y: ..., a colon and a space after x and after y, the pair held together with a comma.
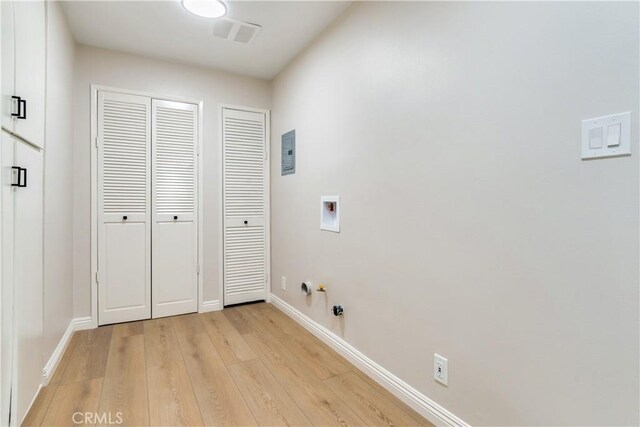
x: 206, y: 8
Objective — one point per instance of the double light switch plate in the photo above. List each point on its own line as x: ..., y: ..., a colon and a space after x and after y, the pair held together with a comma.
x: 607, y: 136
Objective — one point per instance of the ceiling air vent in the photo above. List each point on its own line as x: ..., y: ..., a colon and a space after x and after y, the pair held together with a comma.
x: 241, y: 32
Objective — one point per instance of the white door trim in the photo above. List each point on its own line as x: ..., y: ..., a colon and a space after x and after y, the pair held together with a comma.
x: 267, y: 218
x: 94, y: 187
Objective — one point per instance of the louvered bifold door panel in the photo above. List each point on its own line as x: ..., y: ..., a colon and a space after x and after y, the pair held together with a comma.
x: 124, y: 207
x: 244, y: 165
x: 175, y: 226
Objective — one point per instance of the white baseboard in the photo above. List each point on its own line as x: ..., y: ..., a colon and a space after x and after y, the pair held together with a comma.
x: 212, y: 305
x: 77, y: 324
x: 52, y: 363
x: 82, y: 323
x: 403, y: 391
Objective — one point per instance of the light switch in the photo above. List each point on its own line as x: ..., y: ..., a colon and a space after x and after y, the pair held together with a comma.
x: 613, y: 135
x: 607, y: 136
x: 595, y: 137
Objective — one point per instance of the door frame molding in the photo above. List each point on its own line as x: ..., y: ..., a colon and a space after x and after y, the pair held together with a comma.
x: 95, y: 88
x: 267, y: 215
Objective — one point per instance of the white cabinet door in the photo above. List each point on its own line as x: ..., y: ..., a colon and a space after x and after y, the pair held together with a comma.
x: 30, y: 65
x: 22, y: 286
x: 8, y: 82
x: 27, y: 278
x: 6, y: 296
x: 244, y: 187
x: 175, y: 208
x: 124, y: 207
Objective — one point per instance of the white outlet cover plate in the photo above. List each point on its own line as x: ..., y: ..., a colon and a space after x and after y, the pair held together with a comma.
x: 604, y: 124
x: 440, y: 369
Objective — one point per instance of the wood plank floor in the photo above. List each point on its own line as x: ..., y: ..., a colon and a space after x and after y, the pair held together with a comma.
x: 247, y: 365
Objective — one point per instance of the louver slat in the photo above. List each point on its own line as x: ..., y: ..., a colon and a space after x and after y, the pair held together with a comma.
x: 124, y: 156
x: 244, y: 259
x: 175, y: 160
x: 244, y: 157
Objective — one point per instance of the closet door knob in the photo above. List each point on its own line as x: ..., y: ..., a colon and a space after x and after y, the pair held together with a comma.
x: 246, y: 222
x: 175, y: 217
x: 124, y: 218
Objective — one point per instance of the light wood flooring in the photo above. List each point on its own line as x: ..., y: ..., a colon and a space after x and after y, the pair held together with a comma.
x: 243, y: 366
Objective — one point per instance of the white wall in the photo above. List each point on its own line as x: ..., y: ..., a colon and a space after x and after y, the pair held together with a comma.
x: 469, y: 225
x: 104, y: 67
x: 58, y: 181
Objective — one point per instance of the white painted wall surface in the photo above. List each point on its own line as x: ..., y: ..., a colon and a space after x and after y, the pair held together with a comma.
x: 109, y: 68
x: 469, y: 225
x: 58, y: 180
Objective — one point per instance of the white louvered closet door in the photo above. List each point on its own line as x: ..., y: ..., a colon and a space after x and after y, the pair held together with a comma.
x: 124, y: 207
x: 244, y: 175
x: 175, y: 208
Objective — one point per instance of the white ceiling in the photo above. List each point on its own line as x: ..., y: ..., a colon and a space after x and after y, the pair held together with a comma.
x: 165, y: 30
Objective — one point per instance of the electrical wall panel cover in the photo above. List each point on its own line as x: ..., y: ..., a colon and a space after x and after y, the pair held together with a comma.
x: 289, y: 153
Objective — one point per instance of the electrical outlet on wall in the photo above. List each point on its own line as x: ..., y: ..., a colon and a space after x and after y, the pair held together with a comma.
x: 283, y: 283
x: 440, y: 369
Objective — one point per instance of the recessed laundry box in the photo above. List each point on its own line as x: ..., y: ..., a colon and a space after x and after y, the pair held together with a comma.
x: 330, y: 213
